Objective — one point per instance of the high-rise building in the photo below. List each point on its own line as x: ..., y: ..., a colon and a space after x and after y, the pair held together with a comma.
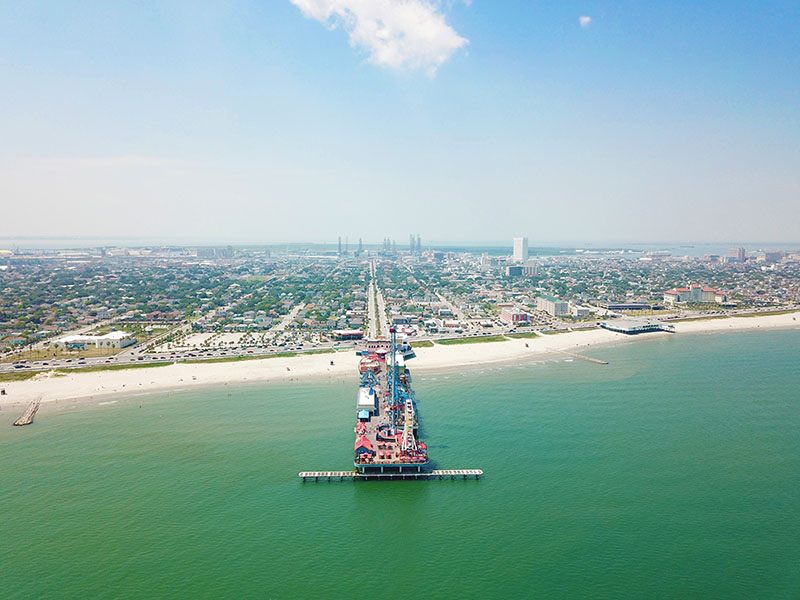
x: 419, y: 244
x: 520, y: 249
x: 411, y: 243
x: 736, y: 254
x: 340, y: 245
x: 360, y: 247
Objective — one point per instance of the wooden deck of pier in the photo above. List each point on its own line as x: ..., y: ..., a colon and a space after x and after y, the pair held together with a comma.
x: 27, y: 417
x: 354, y: 475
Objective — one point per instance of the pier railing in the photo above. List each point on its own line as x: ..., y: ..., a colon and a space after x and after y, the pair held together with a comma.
x: 355, y: 475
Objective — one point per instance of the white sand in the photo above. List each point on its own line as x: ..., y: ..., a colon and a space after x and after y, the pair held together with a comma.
x: 126, y: 382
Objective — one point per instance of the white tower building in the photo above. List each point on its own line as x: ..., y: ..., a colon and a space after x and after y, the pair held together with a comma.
x: 520, y: 249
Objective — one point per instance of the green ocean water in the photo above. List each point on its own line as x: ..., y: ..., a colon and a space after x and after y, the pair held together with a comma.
x: 673, y: 472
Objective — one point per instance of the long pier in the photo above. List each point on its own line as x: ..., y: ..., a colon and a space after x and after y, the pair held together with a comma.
x: 355, y: 475
x: 27, y: 417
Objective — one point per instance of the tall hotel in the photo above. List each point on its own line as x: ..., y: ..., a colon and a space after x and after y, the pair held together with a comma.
x: 520, y: 249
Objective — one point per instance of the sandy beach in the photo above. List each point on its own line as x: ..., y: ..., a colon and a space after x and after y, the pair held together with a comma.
x: 101, y: 385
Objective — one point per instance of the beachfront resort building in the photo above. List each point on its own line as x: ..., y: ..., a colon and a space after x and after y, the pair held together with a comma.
x: 693, y: 293
x: 552, y: 306
x: 113, y: 339
x: 513, y: 316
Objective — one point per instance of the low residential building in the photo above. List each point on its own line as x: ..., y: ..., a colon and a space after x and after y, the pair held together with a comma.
x: 625, y: 305
x: 578, y: 311
x: 113, y: 339
x: 514, y: 316
x: 451, y: 324
x: 348, y: 334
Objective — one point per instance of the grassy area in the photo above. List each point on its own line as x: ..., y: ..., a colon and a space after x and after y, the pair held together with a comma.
x: 473, y: 340
x: 770, y: 313
x: 527, y: 335
x: 710, y: 318
x: 23, y: 375
x: 223, y: 359
x: 111, y: 367
x: 17, y: 375
x: 55, y: 353
x: 422, y: 344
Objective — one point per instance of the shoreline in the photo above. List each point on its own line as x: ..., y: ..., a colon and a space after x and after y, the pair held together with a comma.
x: 79, y: 388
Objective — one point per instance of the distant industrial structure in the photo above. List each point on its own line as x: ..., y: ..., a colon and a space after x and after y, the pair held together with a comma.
x: 414, y: 244
x: 209, y: 252
x: 520, y: 250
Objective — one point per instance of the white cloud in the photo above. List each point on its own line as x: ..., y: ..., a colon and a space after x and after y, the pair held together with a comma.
x: 584, y: 21
x: 397, y: 34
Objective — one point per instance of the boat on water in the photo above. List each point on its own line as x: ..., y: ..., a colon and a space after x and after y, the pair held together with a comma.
x: 387, y: 421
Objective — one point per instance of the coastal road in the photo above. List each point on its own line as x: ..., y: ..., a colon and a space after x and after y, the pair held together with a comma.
x: 383, y: 319
x: 288, y: 318
x: 371, y: 317
x: 456, y: 311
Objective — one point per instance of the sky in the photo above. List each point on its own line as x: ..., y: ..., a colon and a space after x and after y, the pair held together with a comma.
x: 304, y: 120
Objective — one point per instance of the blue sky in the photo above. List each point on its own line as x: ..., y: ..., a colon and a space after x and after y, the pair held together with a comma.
x: 298, y: 120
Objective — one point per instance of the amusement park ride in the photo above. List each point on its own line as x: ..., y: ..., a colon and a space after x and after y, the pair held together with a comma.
x: 387, y: 431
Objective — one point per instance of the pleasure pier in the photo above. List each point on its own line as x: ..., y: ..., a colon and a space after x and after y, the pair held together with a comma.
x: 387, y: 443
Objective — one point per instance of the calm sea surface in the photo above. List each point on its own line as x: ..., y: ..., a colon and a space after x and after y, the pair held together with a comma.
x: 673, y: 472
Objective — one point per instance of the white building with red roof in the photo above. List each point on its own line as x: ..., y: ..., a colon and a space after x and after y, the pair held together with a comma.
x: 694, y: 293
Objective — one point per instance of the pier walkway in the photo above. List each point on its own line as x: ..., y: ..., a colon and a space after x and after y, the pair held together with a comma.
x: 582, y: 357
x: 354, y: 475
x: 27, y: 417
